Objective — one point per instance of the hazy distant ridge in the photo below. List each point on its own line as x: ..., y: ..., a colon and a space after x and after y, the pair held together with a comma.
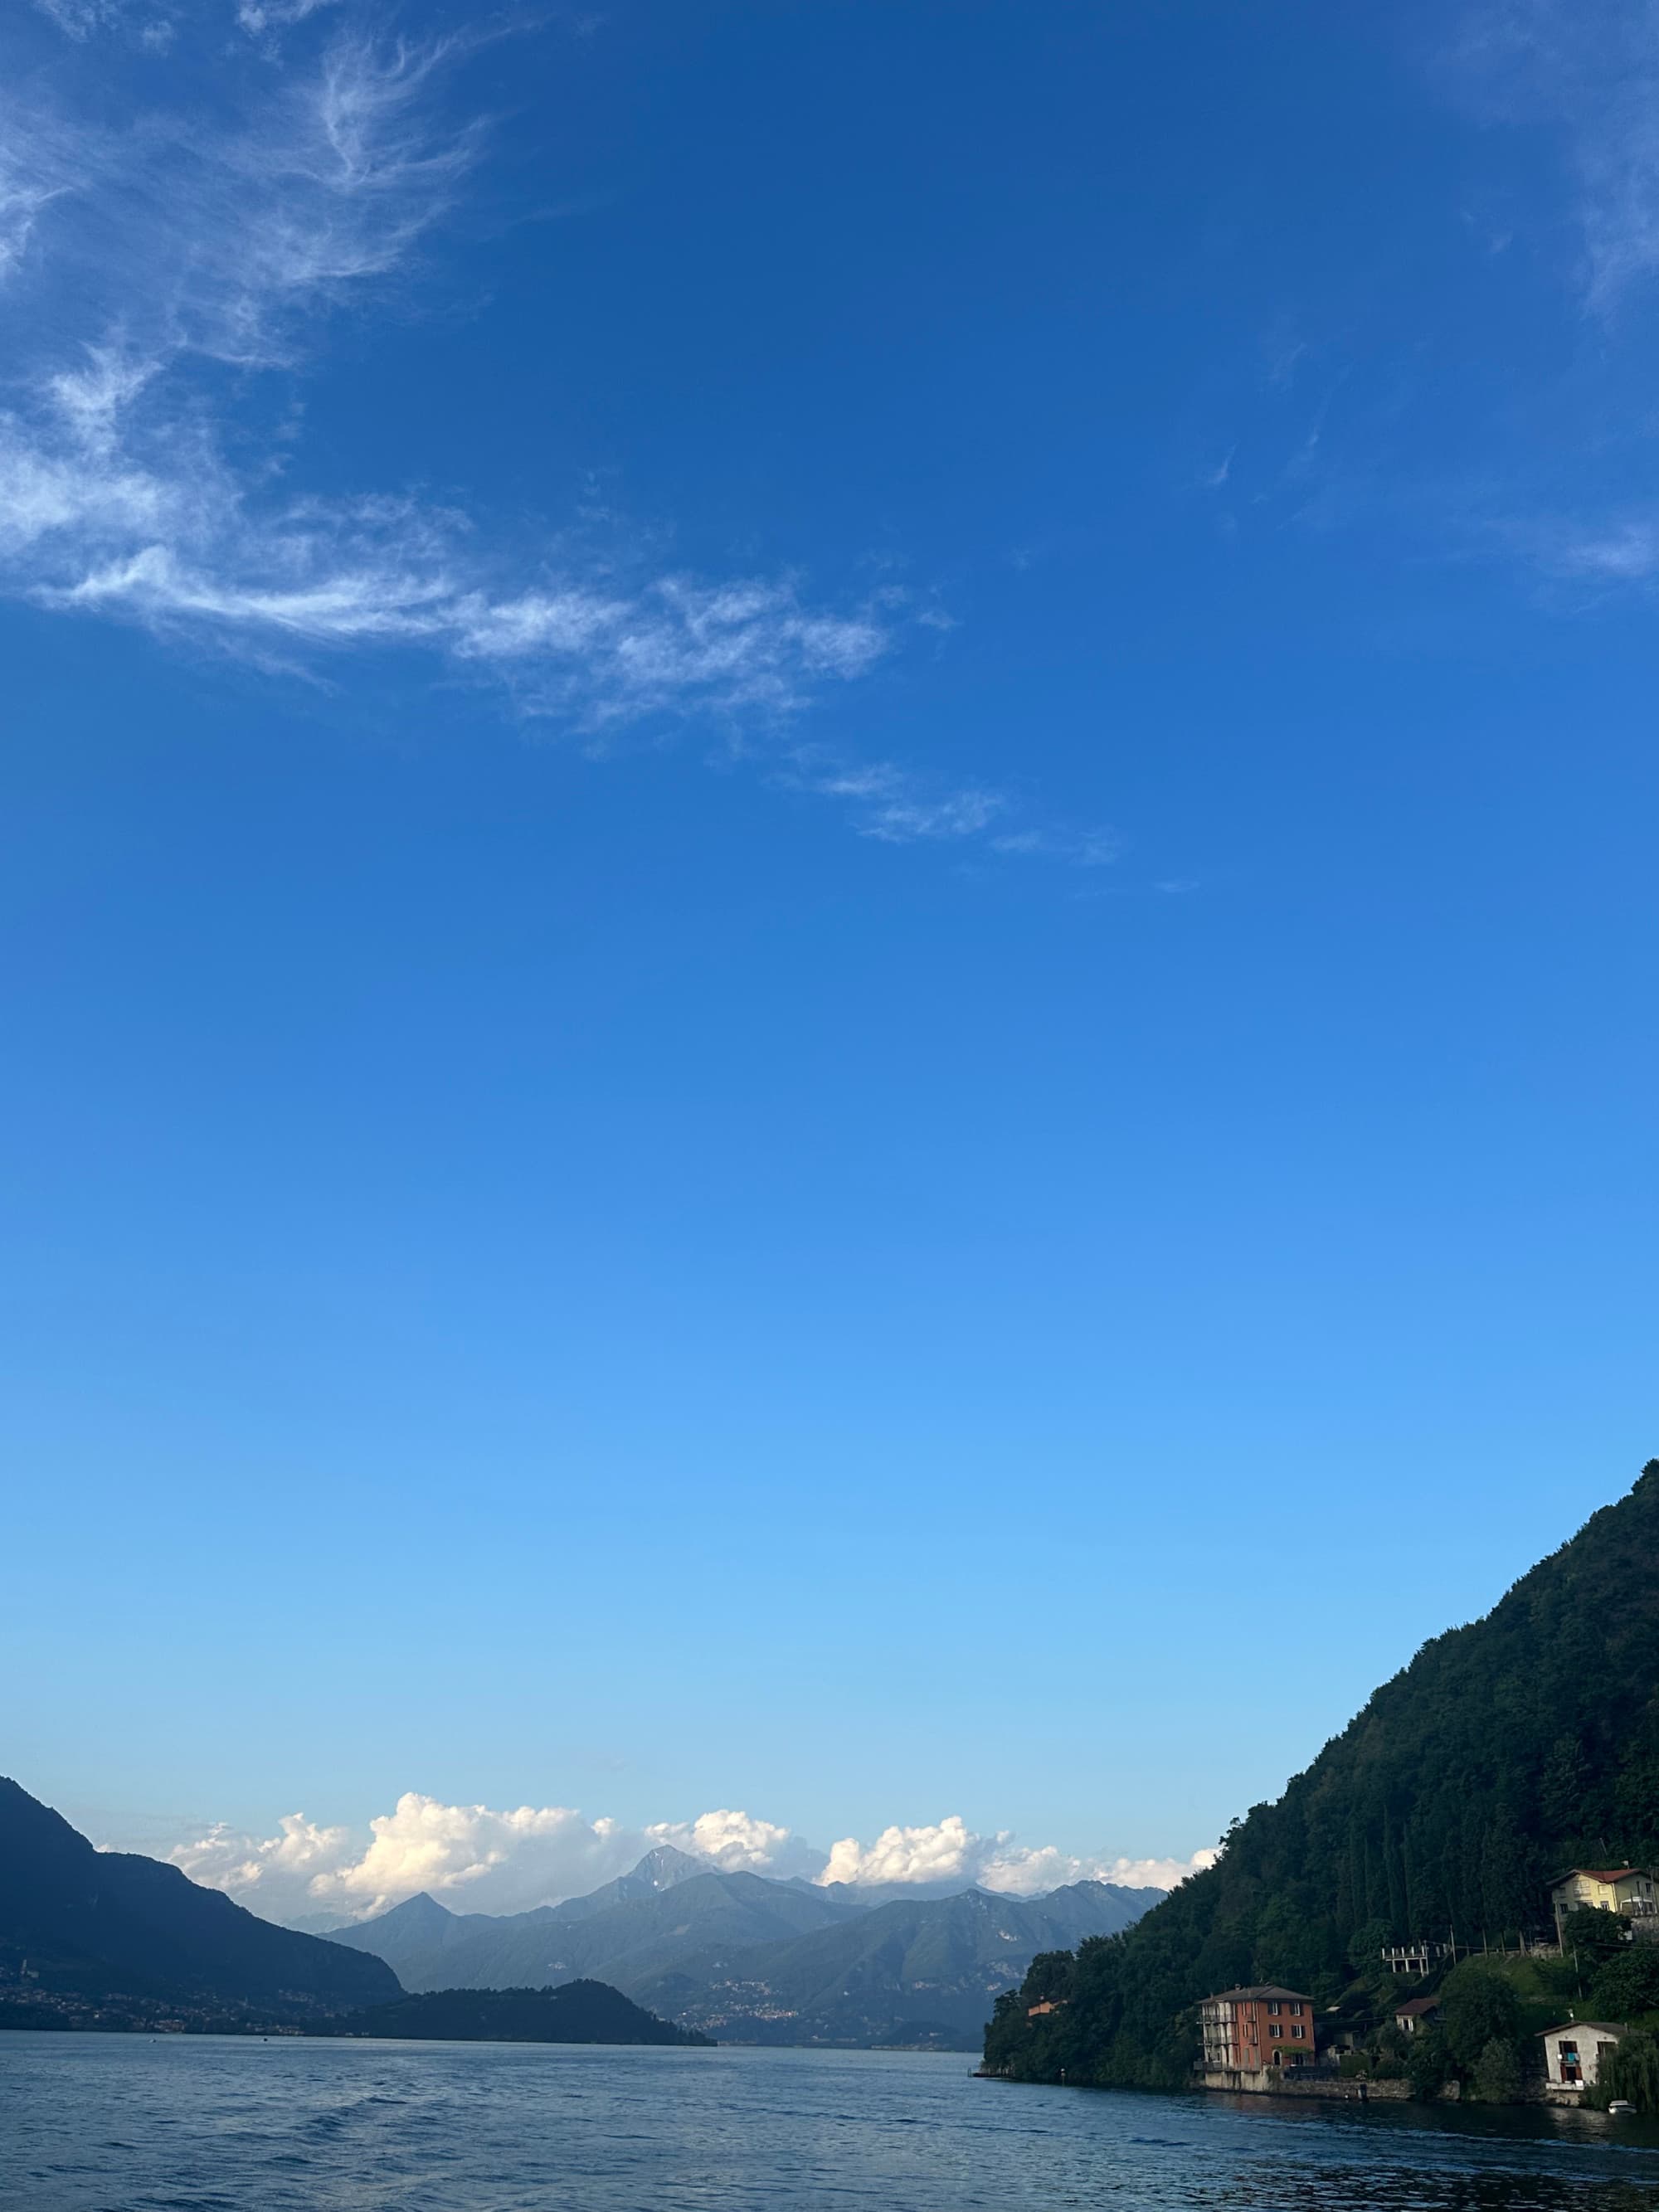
x: 748, y: 1959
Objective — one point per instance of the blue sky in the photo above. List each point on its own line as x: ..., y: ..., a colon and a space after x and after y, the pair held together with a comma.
x: 827, y: 901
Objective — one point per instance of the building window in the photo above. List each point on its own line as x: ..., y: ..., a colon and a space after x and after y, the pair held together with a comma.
x: 1272, y: 2005
x: 1275, y: 2029
x: 1295, y: 2030
x: 1296, y: 2010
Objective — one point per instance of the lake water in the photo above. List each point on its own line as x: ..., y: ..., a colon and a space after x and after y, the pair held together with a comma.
x: 132, y: 2123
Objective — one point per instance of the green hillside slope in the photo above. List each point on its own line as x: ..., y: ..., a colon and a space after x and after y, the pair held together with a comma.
x: 1507, y: 1749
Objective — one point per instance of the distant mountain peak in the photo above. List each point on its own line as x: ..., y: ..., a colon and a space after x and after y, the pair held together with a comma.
x: 665, y: 1866
x: 420, y: 1909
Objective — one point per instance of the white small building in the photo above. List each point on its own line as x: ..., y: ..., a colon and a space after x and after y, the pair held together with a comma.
x: 1573, y: 2053
x: 1415, y: 1957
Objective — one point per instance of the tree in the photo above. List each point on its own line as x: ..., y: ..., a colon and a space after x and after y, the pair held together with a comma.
x: 1628, y: 1983
x: 1365, y: 1948
x: 1428, y: 2065
x: 1564, y: 1784
x: 1477, y: 2006
x: 1631, y: 2071
x: 1289, y: 1947
x: 1498, y: 2073
x: 1593, y: 1932
x: 1048, y: 1975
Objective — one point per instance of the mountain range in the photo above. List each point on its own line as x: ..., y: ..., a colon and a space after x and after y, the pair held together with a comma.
x: 748, y: 1959
x: 108, y: 1939
x: 79, y: 1928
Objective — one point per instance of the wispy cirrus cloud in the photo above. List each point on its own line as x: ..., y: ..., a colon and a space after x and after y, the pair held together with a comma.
x: 1554, y: 472
x: 154, y: 23
x: 168, y: 282
x: 214, y: 253
x: 1585, y: 73
x: 1589, y: 70
x: 79, y: 18
x: 894, y: 805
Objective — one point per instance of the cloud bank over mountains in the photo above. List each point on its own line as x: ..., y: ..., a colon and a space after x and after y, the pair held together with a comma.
x: 479, y: 1858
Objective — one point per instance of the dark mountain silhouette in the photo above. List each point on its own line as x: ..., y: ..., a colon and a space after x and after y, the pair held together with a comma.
x: 420, y: 1940
x: 1523, y: 1743
x: 578, y: 2012
x: 77, y: 1919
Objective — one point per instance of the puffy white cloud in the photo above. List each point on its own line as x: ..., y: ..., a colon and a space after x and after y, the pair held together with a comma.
x: 498, y: 1861
x: 479, y: 1858
x: 298, y: 1851
x: 1028, y: 1872
x: 737, y: 1843
x: 950, y: 1850
x: 423, y: 1844
x: 482, y: 1858
x: 939, y: 1853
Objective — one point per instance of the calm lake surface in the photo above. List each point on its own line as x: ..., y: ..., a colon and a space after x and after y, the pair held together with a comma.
x: 125, y: 2124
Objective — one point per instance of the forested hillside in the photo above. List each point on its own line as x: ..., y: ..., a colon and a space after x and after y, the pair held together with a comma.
x: 1506, y: 1750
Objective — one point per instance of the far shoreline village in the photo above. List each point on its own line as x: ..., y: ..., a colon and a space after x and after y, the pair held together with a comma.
x: 1263, y: 2039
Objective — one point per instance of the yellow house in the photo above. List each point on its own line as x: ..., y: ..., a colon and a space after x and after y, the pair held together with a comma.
x: 1628, y: 1890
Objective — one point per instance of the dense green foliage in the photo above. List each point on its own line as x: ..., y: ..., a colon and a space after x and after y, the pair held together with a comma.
x: 1507, y: 1750
x: 1593, y: 1933
x: 1632, y: 2072
x: 1497, y: 2072
x: 1477, y: 2007
x: 579, y: 2012
x: 1626, y: 1984
x: 1428, y: 2065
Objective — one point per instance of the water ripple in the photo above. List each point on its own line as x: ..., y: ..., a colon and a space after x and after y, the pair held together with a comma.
x: 119, y: 2123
